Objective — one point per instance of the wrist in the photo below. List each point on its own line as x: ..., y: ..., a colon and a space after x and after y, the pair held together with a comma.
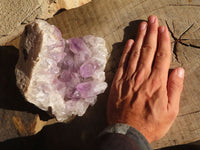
x: 129, y: 131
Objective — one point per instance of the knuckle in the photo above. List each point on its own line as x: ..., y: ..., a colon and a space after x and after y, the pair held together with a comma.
x: 131, y: 69
x: 136, y: 53
x: 155, y: 84
x: 121, y: 65
x: 175, y: 85
x: 158, y: 67
x: 174, y: 113
x: 156, y: 81
x: 162, y: 54
x: 148, y: 47
x: 147, y: 70
x: 115, y: 85
x: 147, y: 94
x: 153, y: 29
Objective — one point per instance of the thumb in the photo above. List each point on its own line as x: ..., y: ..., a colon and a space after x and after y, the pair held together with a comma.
x: 175, y: 86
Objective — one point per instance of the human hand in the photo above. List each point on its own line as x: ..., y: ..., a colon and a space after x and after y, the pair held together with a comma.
x: 142, y: 95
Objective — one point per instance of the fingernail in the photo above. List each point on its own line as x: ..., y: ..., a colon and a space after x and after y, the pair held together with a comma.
x: 152, y: 19
x: 162, y: 29
x: 180, y: 72
x: 143, y: 25
x: 130, y: 43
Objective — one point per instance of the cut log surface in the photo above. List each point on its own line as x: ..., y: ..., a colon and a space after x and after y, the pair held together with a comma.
x: 117, y: 21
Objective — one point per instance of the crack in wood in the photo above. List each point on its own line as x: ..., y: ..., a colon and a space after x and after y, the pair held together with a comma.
x: 186, y: 31
x: 195, y: 112
x: 190, y: 45
x: 175, y: 42
x: 188, y: 5
x: 180, y: 40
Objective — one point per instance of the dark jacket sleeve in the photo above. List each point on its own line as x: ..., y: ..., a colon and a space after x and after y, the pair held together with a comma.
x: 122, y: 137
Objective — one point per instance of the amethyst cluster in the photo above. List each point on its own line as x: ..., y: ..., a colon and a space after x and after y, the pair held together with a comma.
x: 65, y: 75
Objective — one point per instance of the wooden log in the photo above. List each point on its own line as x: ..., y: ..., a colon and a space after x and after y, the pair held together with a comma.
x: 117, y: 21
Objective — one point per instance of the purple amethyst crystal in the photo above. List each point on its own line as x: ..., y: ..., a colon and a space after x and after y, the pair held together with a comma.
x: 88, y: 69
x: 78, y: 46
x: 79, y: 68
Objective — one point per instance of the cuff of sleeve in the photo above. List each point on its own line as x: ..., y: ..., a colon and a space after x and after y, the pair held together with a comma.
x: 130, y: 132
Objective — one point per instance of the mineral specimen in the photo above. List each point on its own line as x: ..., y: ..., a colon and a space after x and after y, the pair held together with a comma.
x: 62, y: 76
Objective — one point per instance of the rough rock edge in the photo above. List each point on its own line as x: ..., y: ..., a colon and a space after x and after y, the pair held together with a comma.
x: 25, y: 75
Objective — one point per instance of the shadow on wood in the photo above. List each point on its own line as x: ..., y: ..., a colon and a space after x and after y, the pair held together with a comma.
x: 10, y: 96
x: 80, y: 133
x: 130, y: 32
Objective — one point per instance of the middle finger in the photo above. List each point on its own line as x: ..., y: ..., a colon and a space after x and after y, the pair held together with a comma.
x: 148, y: 51
x: 149, y: 46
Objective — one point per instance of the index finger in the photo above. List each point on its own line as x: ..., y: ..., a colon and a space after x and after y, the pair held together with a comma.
x: 163, y: 54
